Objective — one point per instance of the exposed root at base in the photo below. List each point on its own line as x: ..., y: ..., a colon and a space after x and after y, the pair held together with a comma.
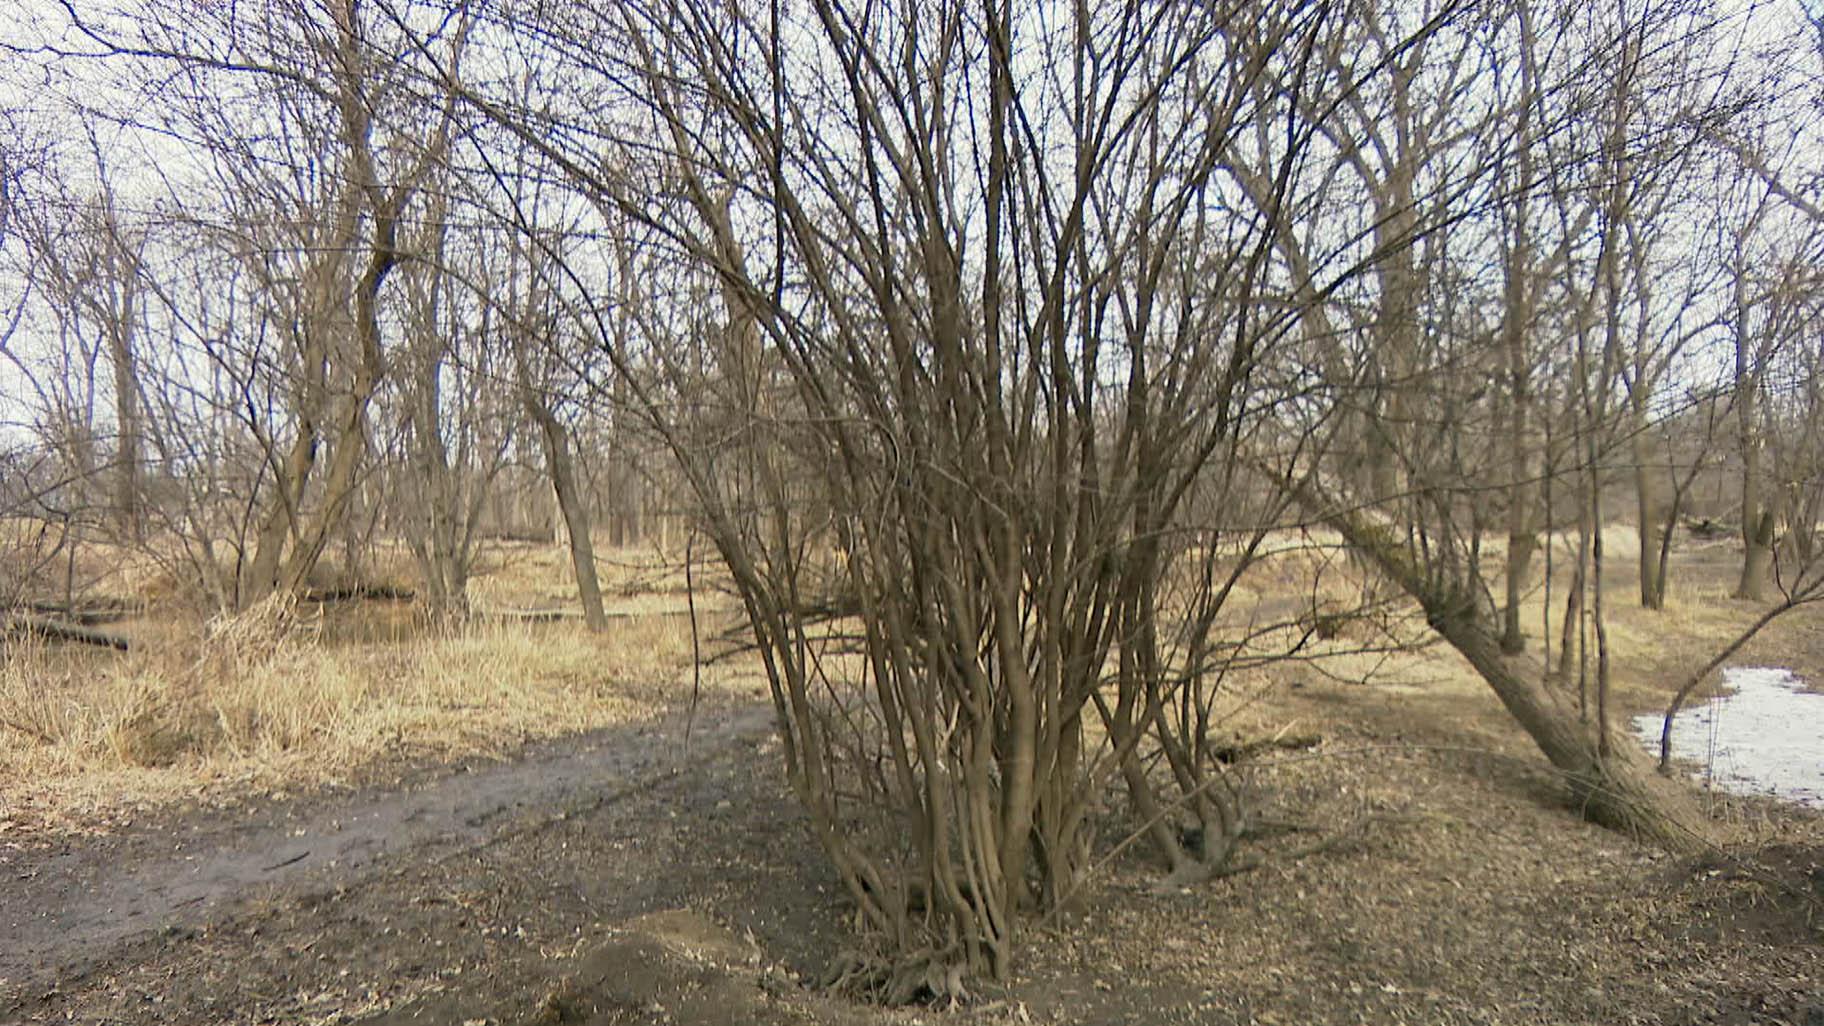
x: 922, y: 977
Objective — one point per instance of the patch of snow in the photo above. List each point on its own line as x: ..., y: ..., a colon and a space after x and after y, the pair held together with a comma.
x: 1764, y: 737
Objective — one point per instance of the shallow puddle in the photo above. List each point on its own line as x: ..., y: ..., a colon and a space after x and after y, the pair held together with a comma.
x: 1764, y: 737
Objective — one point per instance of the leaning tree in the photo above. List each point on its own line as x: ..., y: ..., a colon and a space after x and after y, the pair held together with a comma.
x: 1539, y: 333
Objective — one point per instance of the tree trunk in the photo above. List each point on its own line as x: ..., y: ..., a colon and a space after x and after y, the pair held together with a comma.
x: 350, y: 429
x: 338, y: 305
x: 1573, y: 616
x: 554, y: 516
x: 1516, y: 318
x: 1397, y: 329
x: 126, y: 415
x: 436, y: 529
x: 1619, y: 789
x: 1650, y: 508
x: 1616, y: 788
x: 1520, y: 547
x: 1757, y: 557
x: 1757, y: 521
x: 569, y: 501
x: 260, y: 577
x: 576, y: 524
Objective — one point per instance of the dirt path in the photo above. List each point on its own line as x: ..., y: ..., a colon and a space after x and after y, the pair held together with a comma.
x: 71, y: 907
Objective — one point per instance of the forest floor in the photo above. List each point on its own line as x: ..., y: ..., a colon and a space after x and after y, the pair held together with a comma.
x: 652, y: 867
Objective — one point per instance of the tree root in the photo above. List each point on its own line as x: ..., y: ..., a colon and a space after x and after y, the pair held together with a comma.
x: 925, y: 976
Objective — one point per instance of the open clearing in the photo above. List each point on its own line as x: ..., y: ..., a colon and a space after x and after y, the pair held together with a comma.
x: 608, y: 872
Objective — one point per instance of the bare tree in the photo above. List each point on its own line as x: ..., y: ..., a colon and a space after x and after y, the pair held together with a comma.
x: 457, y: 418
x: 985, y: 410
x: 534, y: 322
x: 1772, y: 270
x: 314, y: 211
x: 1588, y: 125
x: 1795, y: 571
x: 91, y: 268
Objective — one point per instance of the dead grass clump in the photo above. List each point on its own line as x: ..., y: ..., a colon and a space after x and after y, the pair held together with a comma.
x: 263, y: 701
x: 60, y: 710
x: 290, y: 692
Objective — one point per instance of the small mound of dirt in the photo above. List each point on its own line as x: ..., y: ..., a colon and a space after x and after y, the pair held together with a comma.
x: 673, y: 967
x: 676, y: 967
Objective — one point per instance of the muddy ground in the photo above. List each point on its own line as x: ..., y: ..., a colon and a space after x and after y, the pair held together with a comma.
x: 624, y: 877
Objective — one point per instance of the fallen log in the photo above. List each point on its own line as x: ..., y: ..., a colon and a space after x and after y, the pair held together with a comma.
x: 530, y: 615
x: 57, y: 630
x: 84, y: 615
x: 1708, y: 527
x: 358, y: 593
x: 557, y: 615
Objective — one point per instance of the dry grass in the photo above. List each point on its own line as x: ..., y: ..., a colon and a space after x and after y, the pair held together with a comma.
x: 283, y: 697
x: 271, y: 699
x: 633, y: 580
